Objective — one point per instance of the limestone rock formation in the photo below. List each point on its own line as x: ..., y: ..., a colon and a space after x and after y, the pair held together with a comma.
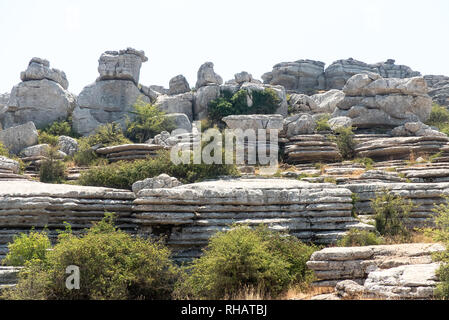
x: 299, y: 124
x: 161, y: 181
x: 19, y: 137
x: 202, y: 97
x: 129, y: 151
x: 68, y: 145
x: 180, y: 121
x: 9, y: 170
x: 439, y: 89
x: 243, y: 77
x: 341, y: 70
x: 339, y: 122
x: 255, y: 122
x: 121, y: 65
x: 207, y: 76
x: 112, y: 96
x: 178, y: 85
x: 311, y: 148
x: 302, y: 76
x: 417, y: 129
x: 179, y: 103
x: 372, y: 101
x: 41, y: 97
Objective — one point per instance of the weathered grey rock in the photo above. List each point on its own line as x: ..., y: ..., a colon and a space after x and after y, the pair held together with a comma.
x: 254, y: 121
x: 39, y: 69
x: 129, y: 152
x: 299, y: 124
x: 178, y: 85
x: 4, y: 97
x: 19, y: 137
x: 206, y: 76
x: 311, y: 149
x: 433, y: 80
x: 348, y: 289
x: 68, y: 145
x: 180, y: 103
x: 339, y: 122
x: 372, y: 101
x: 417, y: 129
x: 250, y: 87
x: 202, y: 97
x: 121, y: 65
x: 161, y: 181
x: 440, y: 92
x: 180, y: 121
x: 35, y: 151
x: 159, y: 89
x: 104, y: 102
x: 327, y: 102
x: 300, y: 103
x: 242, y: 77
x: 7, y: 164
x: 341, y: 70
x: 302, y: 76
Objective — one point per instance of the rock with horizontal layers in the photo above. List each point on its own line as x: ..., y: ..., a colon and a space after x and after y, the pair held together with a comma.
x: 39, y: 69
x: 254, y: 122
x: 178, y: 85
x: 19, y: 137
x: 206, y: 76
x: 440, y: 92
x: 161, y: 181
x: 372, y: 101
x: 311, y: 148
x: 299, y: 124
x: 327, y: 102
x: 301, y: 76
x: 121, y: 65
x: 9, y: 165
x: 416, y: 129
x: 180, y: 103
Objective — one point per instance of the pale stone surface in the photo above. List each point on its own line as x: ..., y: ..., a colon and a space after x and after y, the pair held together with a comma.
x: 35, y: 151
x: 242, y: 77
x: 180, y: 103
x: 68, y: 145
x: 254, y: 121
x: 39, y: 69
x: 206, y: 76
x: 340, y: 122
x: 180, y: 121
x: 417, y: 129
x: 178, y: 85
x: 19, y: 137
x: 302, y: 103
x: 327, y: 102
x: 121, y: 65
x: 202, y: 97
x: 9, y: 165
x: 161, y: 181
x: 299, y: 124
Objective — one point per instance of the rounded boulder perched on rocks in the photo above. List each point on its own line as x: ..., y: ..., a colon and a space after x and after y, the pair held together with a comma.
x: 207, y: 76
x: 178, y: 85
x: 161, y: 181
x: 68, y: 145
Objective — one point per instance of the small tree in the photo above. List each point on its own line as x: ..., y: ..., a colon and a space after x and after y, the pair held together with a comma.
x: 345, y: 142
x: 391, y: 212
x: 52, y: 169
x: 149, y: 121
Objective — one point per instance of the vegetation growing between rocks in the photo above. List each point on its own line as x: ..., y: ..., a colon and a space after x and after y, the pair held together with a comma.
x: 113, y: 265
x: 52, y: 170
x: 439, y: 117
x: 345, y: 141
x: 391, y: 214
x: 123, y: 174
x: 267, y: 261
x: 149, y: 121
x: 321, y: 123
x: 27, y: 247
x: 3, y: 150
x: 263, y: 102
x: 360, y: 238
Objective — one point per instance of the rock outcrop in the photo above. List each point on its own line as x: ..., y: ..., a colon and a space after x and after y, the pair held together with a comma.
x: 206, y: 76
x: 416, y: 129
x: 19, y: 137
x: 372, y: 101
x: 311, y: 148
x: 129, y: 151
x: 9, y: 169
x: 179, y: 103
x: 41, y: 97
x: 438, y: 89
x: 112, y: 96
x: 178, y: 85
x: 161, y: 181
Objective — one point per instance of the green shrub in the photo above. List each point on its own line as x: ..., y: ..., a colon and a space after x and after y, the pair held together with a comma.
x: 391, y: 212
x: 3, y: 150
x: 60, y: 128
x: 149, y: 121
x: 47, y: 138
x: 26, y: 247
x: 112, y: 264
x: 123, y: 174
x: 439, y: 117
x: 321, y: 123
x: 359, y: 238
x: 367, y: 162
x: 109, y: 134
x: 51, y: 169
x: 263, y: 102
x: 345, y: 142
x: 267, y: 261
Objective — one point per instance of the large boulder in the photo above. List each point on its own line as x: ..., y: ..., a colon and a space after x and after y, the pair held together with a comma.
x: 416, y: 129
x: 180, y: 103
x: 327, y: 101
x: 254, y: 121
x: 19, y: 137
x: 438, y: 89
x: 180, y: 121
x: 301, y: 103
x: 112, y: 96
x: 207, y: 76
x: 178, y: 85
x: 302, y: 76
x: 299, y: 124
x: 372, y: 101
x: 41, y: 97
x: 201, y: 99
x: 161, y: 181
x: 68, y: 145
x: 121, y: 65
x: 341, y: 70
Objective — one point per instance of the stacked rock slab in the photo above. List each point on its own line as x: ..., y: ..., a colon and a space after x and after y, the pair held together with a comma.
x: 302, y: 76
x: 311, y: 148
x: 332, y: 265
x: 112, y: 96
x: 188, y: 215
x: 129, y: 151
x: 26, y: 204
x: 424, y: 196
x: 41, y: 97
x: 8, y: 277
x: 9, y: 169
x: 440, y: 92
x: 375, y: 102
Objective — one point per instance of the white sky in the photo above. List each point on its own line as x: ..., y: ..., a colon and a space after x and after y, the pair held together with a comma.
x: 178, y: 36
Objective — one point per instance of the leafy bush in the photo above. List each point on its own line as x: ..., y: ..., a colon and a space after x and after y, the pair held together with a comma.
x: 123, y: 174
x: 149, y: 121
x: 47, y: 138
x: 26, y: 247
x: 321, y: 123
x: 263, y: 102
x: 52, y: 170
x: 109, y: 134
x: 345, y: 142
x: 439, y: 117
x: 367, y: 162
x: 267, y: 261
x: 3, y: 150
x: 391, y: 212
x: 60, y: 128
x: 359, y: 238
x: 113, y: 265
